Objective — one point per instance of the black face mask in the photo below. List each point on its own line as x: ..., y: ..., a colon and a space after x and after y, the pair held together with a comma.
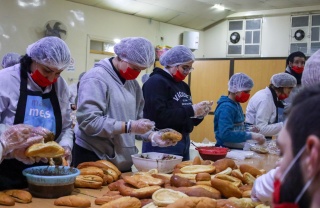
x: 296, y: 75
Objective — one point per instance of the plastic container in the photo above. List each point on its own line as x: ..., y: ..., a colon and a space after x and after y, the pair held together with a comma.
x: 163, y: 162
x: 212, y: 153
x: 51, y: 181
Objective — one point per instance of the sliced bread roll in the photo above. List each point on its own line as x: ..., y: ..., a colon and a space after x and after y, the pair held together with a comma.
x: 49, y: 149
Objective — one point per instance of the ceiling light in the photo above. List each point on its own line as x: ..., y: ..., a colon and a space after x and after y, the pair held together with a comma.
x: 218, y: 7
x: 116, y: 40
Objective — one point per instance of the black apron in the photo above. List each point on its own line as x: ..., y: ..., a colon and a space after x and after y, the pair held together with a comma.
x: 11, y: 169
x: 279, y: 108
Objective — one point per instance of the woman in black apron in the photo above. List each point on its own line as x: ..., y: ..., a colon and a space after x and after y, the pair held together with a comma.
x: 37, y: 105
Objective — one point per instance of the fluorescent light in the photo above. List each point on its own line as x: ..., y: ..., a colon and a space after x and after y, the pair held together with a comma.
x: 218, y: 7
x: 116, y: 40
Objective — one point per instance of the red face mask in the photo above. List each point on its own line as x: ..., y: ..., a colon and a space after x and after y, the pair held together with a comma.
x: 129, y: 74
x: 41, y: 80
x: 178, y: 76
x: 282, y: 96
x: 297, y: 69
x: 243, y: 97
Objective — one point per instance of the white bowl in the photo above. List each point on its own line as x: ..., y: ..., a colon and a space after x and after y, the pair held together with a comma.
x: 154, y: 160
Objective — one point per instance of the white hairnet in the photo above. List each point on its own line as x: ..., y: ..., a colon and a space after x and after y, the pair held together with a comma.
x: 10, y: 59
x: 176, y: 56
x: 136, y: 50
x: 240, y: 82
x: 50, y: 51
x: 311, y: 72
x: 283, y: 80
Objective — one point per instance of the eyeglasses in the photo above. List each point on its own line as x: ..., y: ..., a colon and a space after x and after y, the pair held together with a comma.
x: 186, y: 68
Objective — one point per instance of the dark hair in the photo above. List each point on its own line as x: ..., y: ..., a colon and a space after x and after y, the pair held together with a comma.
x: 278, y: 89
x: 25, y: 63
x: 293, y: 55
x: 304, y: 117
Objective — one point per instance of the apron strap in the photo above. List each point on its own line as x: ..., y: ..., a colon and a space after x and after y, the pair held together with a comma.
x: 22, y: 102
x: 275, y: 101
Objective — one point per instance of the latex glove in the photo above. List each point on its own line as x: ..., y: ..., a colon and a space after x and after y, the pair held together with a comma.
x: 208, y: 108
x: 14, y: 137
x: 141, y: 126
x: 68, y: 154
x: 45, y: 133
x: 260, y: 138
x: 155, y: 138
x: 19, y: 154
x: 202, y: 108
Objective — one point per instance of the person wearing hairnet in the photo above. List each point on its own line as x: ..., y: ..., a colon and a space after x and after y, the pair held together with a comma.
x: 168, y: 100
x: 263, y: 186
x: 10, y: 59
x: 263, y: 108
x: 110, y: 105
x: 311, y: 73
x: 229, y: 126
x: 34, y: 102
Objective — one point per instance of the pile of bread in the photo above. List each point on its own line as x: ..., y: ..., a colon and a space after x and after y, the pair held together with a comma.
x: 193, y: 184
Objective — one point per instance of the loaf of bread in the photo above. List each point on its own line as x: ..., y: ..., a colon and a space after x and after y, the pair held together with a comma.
x: 48, y: 150
x: 6, y: 200
x: 20, y: 196
x: 88, y: 181
x: 123, y: 202
x: 72, y: 201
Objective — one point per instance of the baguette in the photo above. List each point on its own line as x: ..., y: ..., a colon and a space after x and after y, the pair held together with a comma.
x: 45, y: 150
x: 226, y: 188
x: 72, y: 201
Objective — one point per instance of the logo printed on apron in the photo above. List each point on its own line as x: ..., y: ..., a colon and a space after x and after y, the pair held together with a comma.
x: 39, y: 112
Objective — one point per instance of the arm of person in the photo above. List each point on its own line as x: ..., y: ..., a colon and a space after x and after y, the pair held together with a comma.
x: 265, y: 109
x: 225, y: 125
x: 262, y: 189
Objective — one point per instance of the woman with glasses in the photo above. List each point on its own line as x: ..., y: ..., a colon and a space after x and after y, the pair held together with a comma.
x: 168, y: 100
x: 33, y: 95
x: 110, y: 104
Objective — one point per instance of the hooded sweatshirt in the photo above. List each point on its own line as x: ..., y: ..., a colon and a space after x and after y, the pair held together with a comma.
x: 104, y: 103
x: 168, y: 103
x: 229, y: 125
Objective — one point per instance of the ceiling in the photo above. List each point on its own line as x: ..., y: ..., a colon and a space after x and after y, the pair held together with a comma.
x: 194, y: 14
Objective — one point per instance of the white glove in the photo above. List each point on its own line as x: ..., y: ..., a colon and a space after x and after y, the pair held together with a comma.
x: 260, y: 138
x: 202, y: 109
x: 14, y: 137
x: 155, y: 138
x: 68, y: 154
x: 140, y: 126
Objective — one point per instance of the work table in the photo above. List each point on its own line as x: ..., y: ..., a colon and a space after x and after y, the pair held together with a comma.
x: 260, y: 161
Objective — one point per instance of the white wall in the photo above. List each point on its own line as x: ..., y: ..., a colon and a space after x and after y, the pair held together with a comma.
x: 21, y: 26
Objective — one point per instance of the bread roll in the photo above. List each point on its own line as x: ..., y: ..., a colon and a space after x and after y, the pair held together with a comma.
x: 6, y: 200
x: 194, y: 202
x: 106, y: 199
x: 72, y: 201
x: 223, y: 164
x: 196, y: 161
x: 123, y: 202
x: 20, y: 196
x: 171, y: 135
x: 226, y: 188
x: 92, y: 171
x: 164, y: 197
x: 194, y: 169
x: 49, y: 149
x: 141, y: 193
x: 203, y: 177
x: 235, y: 181
x: 110, y: 165
x: 179, y: 181
x: 88, y: 181
x: 248, y: 178
x: 250, y: 169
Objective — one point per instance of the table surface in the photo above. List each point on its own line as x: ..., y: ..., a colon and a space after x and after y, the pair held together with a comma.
x: 260, y: 161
